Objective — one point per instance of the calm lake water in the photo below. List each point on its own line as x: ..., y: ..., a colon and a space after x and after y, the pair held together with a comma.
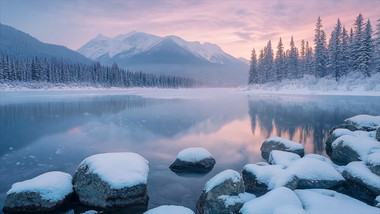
x: 46, y: 131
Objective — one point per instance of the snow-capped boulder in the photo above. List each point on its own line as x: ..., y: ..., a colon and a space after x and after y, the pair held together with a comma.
x: 277, y: 157
x: 326, y: 160
x: 217, y: 190
x: 278, y: 143
x: 328, y: 201
x: 361, y: 180
x: 259, y: 179
x: 169, y: 209
x: 335, y: 135
x: 373, y: 162
x: 378, y: 134
x: 197, y: 160
x: 314, y: 173
x: 348, y: 148
x: 42, y: 193
x: 280, y: 200
x: 377, y: 202
x: 112, y: 180
x: 360, y: 122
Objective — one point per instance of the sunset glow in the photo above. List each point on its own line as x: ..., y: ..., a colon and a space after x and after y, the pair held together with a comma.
x: 236, y: 26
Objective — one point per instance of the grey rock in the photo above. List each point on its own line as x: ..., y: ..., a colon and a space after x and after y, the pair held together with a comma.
x: 276, y: 143
x: 333, y: 136
x: 342, y: 154
x: 202, y: 166
x: 210, y: 203
x: 377, y: 202
x: 93, y: 191
x: 373, y: 163
x: 378, y: 134
x: 31, y: 202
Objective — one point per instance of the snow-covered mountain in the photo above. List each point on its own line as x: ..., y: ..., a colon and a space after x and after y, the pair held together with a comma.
x: 167, y: 55
x: 16, y: 43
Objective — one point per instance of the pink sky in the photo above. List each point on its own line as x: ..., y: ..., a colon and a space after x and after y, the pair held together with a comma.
x: 236, y: 26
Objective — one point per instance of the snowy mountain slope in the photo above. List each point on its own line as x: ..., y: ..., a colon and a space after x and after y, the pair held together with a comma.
x: 168, y: 55
x: 16, y: 43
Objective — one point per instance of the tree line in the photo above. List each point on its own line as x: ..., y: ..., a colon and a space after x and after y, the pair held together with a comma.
x: 56, y: 71
x: 357, y: 50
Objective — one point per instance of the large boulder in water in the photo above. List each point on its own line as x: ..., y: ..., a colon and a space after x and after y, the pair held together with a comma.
x: 112, y: 180
x: 193, y: 160
x: 223, y: 194
x: 335, y: 135
x: 282, y: 158
x: 278, y: 143
x: 362, y: 183
x: 42, y: 193
x: 360, y: 122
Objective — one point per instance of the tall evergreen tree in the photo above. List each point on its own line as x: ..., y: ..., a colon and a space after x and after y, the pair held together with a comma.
x: 377, y: 47
x: 268, y: 63
x: 280, y: 61
x: 293, y: 61
x: 366, y: 50
x: 320, y: 50
x: 335, y: 62
x: 357, y: 43
x: 253, y: 75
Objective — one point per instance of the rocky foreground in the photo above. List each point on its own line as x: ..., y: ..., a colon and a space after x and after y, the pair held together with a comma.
x: 289, y: 182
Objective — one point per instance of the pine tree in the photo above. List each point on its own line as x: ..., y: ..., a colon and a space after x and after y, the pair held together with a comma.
x: 293, y: 61
x: 335, y: 61
x: 260, y: 67
x: 253, y: 75
x: 366, y: 50
x: 320, y: 50
x: 308, y: 59
x: 377, y: 47
x: 346, y: 62
x: 357, y: 43
x: 280, y: 61
x: 268, y: 63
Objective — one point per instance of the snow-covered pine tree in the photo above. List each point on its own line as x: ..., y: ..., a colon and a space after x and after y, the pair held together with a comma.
x: 346, y: 62
x: 357, y: 42
x: 279, y: 65
x: 260, y: 67
x: 377, y: 47
x: 308, y: 59
x: 366, y: 50
x: 268, y: 63
x: 320, y: 50
x: 253, y: 77
x: 335, y: 61
x: 293, y: 61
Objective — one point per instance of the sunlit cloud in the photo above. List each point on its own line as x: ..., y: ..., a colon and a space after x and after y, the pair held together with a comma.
x: 236, y: 26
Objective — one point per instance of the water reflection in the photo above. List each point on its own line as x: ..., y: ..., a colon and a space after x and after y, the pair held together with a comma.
x: 305, y: 119
x: 48, y: 134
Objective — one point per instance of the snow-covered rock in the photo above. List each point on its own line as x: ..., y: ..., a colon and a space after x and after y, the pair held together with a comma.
x: 326, y: 160
x: 112, y: 179
x: 277, y: 157
x: 377, y: 202
x: 373, y: 162
x: 196, y: 159
x: 314, y: 173
x: 169, y: 209
x: 348, y: 148
x: 335, y: 135
x: 362, y: 180
x: 278, y: 143
x: 280, y: 200
x: 259, y: 179
x: 44, y: 192
x: 213, y: 199
x: 364, y: 122
x: 378, y: 134
x: 234, y: 200
x: 319, y: 201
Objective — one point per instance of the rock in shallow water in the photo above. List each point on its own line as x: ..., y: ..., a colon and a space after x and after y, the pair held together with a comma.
x: 42, y: 193
x: 278, y: 143
x: 170, y: 209
x: 217, y: 190
x: 112, y: 180
x: 193, y: 160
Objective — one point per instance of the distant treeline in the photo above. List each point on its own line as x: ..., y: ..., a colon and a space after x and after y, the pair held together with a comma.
x: 357, y: 50
x: 56, y: 71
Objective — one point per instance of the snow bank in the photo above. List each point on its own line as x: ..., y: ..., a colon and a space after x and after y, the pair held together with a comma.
x: 331, y: 202
x: 232, y: 200
x: 354, y: 84
x: 170, y: 209
x: 360, y: 171
x: 194, y: 154
x: 53, y: 186
x: 277, y: 157
x: 275, y: 200
x: 228, y: 174
x: 364, y: 120
x: 124, y: 169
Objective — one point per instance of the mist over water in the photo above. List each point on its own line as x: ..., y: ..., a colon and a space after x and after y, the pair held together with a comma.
x: 46, y: 133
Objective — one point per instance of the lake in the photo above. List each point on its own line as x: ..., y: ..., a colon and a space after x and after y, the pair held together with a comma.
x: 47, y: 131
